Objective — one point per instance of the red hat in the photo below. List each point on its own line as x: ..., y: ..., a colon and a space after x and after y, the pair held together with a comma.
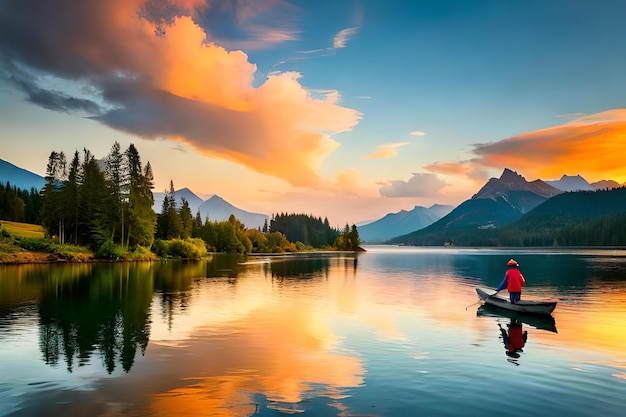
x: 512, y: 262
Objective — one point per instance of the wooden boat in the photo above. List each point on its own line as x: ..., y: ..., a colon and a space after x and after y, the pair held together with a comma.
x: 538, y: 321
x: 541, y: 307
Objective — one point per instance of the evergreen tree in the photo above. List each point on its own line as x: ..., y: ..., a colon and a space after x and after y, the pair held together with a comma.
x: 140, y: 218
x: 51, y: 216
x: 12, y: 206
x: 94, y: 202
x: 197, y: 221
x: 169, y: 224
x: 186, y: 219
x: 70, y: 200
x: 117, y: 183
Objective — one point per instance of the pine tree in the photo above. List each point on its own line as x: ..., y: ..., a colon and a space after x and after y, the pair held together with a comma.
x: 117, y: 184
x: 51, y: 216
x: 94, y: 202
x: 140, y: 218
x: 186, y: 219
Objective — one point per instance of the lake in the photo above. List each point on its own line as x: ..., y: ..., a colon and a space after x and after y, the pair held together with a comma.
x: 390, y: 332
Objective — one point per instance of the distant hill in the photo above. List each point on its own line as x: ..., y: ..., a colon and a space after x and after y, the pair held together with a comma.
x: 574, y: 218
x: 216, y: 208
x: 606, y: 185
x: 193, y: 200
x: 396, y: 224
x: 571, y: 183
x: 20, y: 177
x: 499, y: 202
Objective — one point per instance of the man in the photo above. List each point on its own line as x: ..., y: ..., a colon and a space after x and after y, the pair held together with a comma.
x: 513, y: 281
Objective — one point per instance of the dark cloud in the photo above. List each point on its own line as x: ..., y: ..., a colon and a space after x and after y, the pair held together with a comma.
x: 51, y: 99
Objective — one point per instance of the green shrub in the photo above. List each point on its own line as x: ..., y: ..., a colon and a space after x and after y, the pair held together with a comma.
x: 36, y: 244
x: 190, y: 248
x: 110, y: 250
x: 161, y: 248
x: 141, y: 253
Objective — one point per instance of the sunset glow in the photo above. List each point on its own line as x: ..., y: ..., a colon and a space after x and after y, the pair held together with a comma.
x: 261, y: 101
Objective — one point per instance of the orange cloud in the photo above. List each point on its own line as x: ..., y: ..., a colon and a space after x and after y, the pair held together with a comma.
x: 592, y: 146
x: 465, y: 169
x: 160, y: 76
x: 387, y: 150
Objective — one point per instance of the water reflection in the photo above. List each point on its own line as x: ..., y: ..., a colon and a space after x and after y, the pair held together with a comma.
x: 102, y: 310
x: 514, y: 339
x: 234, y: 336
x: 310, y: 266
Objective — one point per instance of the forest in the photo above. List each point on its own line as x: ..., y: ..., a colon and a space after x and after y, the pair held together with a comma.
x: 106, y: 206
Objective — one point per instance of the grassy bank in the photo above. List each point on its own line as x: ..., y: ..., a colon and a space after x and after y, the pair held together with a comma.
x: 25, y: 243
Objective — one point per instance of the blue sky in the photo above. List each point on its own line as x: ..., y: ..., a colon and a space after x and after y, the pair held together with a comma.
x: 349, y: 109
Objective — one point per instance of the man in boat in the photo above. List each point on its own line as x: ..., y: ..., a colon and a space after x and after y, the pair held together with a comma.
x: 513, y: 281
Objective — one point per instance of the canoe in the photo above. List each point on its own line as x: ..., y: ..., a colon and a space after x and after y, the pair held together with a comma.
x: 541, y: 307
x: 538, y: 321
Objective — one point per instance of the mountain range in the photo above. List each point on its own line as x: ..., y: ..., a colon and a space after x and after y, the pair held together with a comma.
x: 499, y: 202
x: 395, y: 224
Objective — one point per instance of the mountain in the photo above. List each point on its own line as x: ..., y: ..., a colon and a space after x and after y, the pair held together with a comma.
x: 500, y: 201
x: 193, y: 200
x: 395, y: 224
x: 571, y: 183
x: 215, y: 208
x: 20, y: 177
x: 606, y: 185
x: 511, y: 181
x: 218, y: 209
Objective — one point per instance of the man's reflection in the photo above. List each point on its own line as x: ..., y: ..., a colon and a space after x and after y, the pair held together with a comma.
x: 514, y: 339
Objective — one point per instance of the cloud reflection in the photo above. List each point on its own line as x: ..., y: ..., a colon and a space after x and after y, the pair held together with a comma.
x: 279, y: 352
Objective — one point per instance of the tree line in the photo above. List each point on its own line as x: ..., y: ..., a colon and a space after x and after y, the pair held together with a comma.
x: 19, y: 205
x: 107, y: 206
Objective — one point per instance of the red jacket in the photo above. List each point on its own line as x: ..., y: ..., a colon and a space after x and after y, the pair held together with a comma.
x: 514, y: 280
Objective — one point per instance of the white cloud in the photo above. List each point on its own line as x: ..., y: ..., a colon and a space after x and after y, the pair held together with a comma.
x: 419, y: 185
x: 343, y: 36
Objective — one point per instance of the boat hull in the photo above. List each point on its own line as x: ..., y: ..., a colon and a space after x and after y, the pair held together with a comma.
x: 538, y: 321
x: 539, y: 307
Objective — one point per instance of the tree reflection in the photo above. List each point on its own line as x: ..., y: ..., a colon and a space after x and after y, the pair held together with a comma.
x: 309, y: 266
x: 104, y: 310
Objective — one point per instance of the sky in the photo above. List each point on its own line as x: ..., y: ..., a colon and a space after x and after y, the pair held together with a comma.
x: 346, y: 109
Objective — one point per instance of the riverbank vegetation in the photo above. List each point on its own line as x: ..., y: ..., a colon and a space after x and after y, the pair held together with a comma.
x: 103, y: 209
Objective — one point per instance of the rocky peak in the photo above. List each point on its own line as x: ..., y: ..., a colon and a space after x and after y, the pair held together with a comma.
x: 512, y: 181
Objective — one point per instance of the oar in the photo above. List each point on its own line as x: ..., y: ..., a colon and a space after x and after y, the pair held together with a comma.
x: 477, y: 302
x: 481, y: 300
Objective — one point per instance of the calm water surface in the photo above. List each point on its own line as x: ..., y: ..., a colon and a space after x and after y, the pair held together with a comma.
x: 389, y: 332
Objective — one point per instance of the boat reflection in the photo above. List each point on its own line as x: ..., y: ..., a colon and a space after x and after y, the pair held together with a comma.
x: 537, y: 321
